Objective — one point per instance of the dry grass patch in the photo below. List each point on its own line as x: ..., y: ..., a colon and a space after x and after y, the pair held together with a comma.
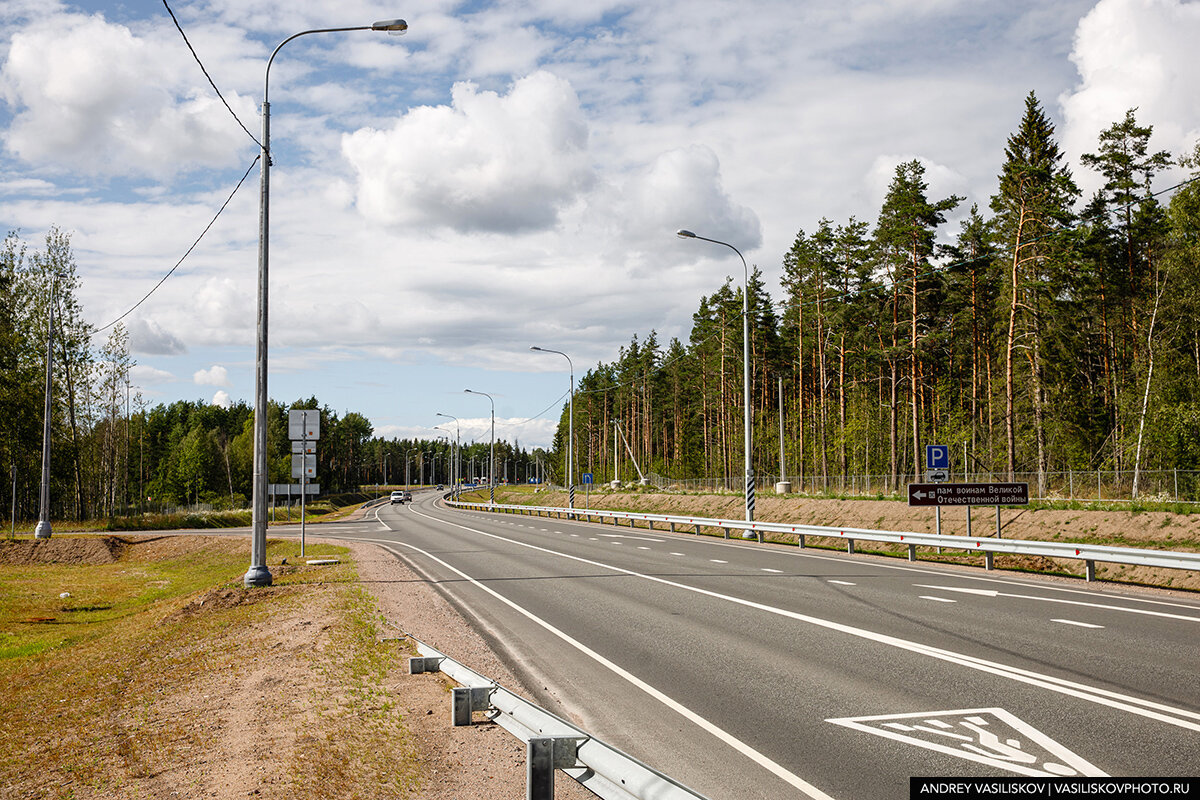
x: 161, y: 676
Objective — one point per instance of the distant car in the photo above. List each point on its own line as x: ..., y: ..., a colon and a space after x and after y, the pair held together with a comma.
x: 408, y: 497
x: 441, y: 487
x: 399, y: 497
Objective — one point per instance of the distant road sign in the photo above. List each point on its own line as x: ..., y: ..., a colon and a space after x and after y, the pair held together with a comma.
x: 937, y: 475
x: 304, y: 423
x: 304, y: 466
x: 586, y: 477
x: 968, y: 494
x: 937, y: 456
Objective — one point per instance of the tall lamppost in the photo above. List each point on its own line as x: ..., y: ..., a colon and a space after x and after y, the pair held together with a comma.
x: 457, y: 450
x: 491, y: 449
x: 42, y: 531
x: 258, y: 574
x: 749, y: 491
x: 570, y: 426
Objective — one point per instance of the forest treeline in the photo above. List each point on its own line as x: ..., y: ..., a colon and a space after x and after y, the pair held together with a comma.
x: 1051, y: 332
x: 112, y: 453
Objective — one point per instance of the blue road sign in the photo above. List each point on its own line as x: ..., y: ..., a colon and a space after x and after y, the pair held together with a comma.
x: 937, y: 456
x: 587, y: 477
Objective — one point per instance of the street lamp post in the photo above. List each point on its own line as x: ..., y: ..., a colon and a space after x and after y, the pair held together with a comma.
x: 749, y: 468
x: 457, y: 450
x: 570, y: 426
x: 43, y: 527
x: 258, y: 574
x: 491, y: 449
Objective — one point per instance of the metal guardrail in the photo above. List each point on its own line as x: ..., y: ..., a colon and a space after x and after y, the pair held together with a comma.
x: 551, y: 743
x: 1087, y: 553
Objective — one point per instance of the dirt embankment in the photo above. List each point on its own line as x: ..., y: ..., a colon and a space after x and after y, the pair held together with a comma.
x: 1159, y: 530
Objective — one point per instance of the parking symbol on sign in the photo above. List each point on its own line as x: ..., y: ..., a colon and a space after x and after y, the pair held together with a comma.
x: 937, y: 456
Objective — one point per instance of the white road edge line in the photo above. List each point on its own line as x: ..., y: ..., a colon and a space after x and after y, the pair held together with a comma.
x: 1116, y: 700
x: 720, y: 733
x: 937, y: 599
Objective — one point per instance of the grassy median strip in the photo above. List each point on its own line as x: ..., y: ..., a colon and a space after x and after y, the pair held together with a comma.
x: 157, y: 673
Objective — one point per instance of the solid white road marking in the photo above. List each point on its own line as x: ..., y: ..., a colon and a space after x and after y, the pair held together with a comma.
x: 720, y: 733
x: 718, y: 561
x: 1080, y: 624
x: 938, y: 599
x: 776, y: 571
x: 676, y: 554
x: 996, y: 593
x: 989, y: 736
x: 1179, y: 717
x: 843, y: 583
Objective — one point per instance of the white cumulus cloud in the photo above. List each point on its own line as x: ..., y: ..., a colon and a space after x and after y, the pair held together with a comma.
x: 1135, y: 53
x: 214, y: 376
x: 95, y: 97
x: 488, y: 162
x: 222, y: 399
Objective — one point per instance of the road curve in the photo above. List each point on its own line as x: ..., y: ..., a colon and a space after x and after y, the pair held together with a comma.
x: 754, y: 671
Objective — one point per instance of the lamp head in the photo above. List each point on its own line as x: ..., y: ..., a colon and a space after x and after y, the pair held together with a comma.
x: 395, y: 27
x: 683, y: 233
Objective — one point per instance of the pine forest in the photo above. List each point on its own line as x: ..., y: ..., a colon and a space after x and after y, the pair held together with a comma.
x: 1052, y: 333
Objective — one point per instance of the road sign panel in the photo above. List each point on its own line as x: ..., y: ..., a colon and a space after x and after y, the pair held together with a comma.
x: 937, y: 456
x: 586, y: 477
x: 937, y: 475
x: 304, y: 466
x: 309, y: 446
x: 304, y: 423
x: 292, y: 489
x: 968, y: 494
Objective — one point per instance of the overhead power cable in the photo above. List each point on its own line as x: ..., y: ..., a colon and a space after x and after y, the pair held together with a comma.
x: 205, y: 71
x: 535, y: 416
x: 186, y: 254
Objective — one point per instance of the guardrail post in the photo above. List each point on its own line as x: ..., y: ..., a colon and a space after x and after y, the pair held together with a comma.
x: 672, y: 527
x: 988, y: 562
x: 698, y: 530
x: 800, y: 540
x: 849, y: 545
x: 466, y: 699
x: 724, y: 529
x: 544, y: 754
x: 912, y: 552
x: 1089, y: 568
x: 419, y: 664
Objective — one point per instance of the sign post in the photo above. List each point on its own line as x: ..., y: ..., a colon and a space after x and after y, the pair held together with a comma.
x: 937, y: 470
x: 304, y: 428
x: 587, y: 492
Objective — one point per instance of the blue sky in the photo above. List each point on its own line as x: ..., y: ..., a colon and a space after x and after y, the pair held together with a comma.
x: 511, y: 174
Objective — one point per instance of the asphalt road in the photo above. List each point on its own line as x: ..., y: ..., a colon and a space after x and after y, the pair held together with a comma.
x: 752, y: 671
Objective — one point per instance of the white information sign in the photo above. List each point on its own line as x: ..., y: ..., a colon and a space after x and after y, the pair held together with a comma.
x: 304, y: 466
x: 304, y: 423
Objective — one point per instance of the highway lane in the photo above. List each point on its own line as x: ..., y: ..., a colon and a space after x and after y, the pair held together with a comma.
x: 751, y: 671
